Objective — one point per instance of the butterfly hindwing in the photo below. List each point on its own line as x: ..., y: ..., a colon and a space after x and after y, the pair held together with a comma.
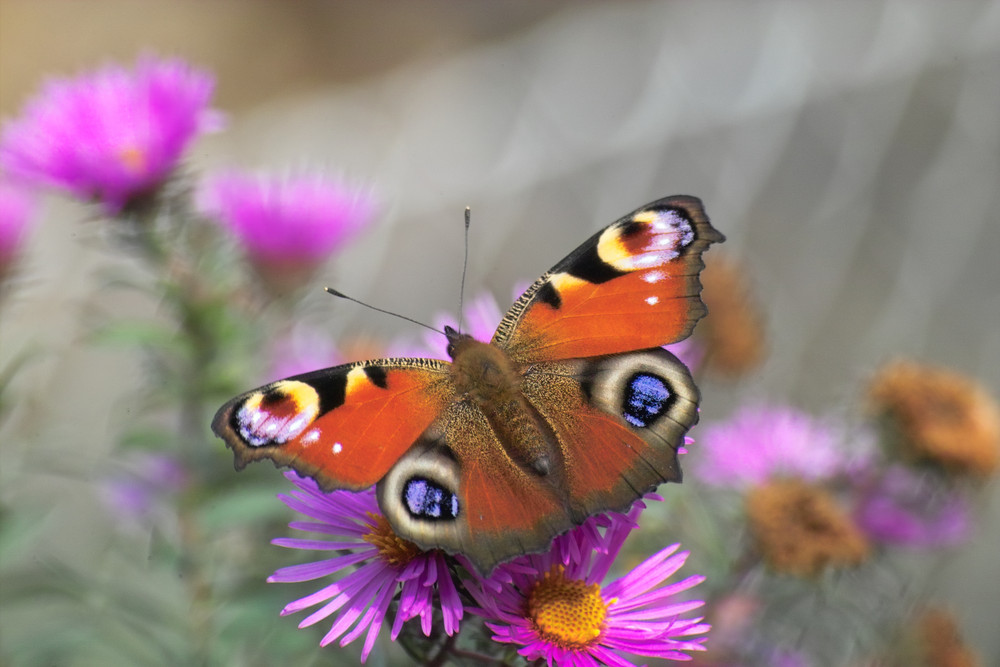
x: 619, y: 421
x: 631, y: 286
x: 460, y: 490
x: 344, y: 426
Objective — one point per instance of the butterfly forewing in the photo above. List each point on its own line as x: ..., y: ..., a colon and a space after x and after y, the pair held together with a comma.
x: 631, y: 286
x: 343, y: 426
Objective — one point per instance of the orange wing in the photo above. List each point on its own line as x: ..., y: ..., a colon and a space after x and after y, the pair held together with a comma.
x: 619, y: 421
x: 459, y: 490
x: 343, y: 426
x: 631, y: 286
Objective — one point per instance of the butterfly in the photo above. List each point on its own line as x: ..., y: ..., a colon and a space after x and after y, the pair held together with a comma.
x: 572, y: 409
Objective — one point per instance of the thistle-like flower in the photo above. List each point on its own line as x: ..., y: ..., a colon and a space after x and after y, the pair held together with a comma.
x: 287, y: 225
x: 113, y: 135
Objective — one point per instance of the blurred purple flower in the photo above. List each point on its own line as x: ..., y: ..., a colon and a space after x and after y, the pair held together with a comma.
x: 146, y: 488
x: 905, y: 507
x: 18, y: 206
x: 374, y: 566
x: 763, y: 442
x: 689, y: 351
x: 482, y: 315
x: 554, y: 607
x: 302, y: 350
x: 285, y: 223
x: 113, y: 135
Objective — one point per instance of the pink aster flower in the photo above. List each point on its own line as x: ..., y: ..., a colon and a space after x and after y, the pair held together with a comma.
x: 556, y: 609
x: 905, y: 507
x: 374, y: 567
x: 761, y: 442
x: 17, y: 210
x: 113, y: 135
x: 285, y: 224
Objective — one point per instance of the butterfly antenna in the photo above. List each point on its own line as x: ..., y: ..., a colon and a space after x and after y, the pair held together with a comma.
x: 465, y: 267
x: 334, y: 292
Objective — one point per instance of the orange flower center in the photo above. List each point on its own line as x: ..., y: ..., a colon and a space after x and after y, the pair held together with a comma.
x: 133, y: 158
x: 566, y: 612
x: 393, y: 549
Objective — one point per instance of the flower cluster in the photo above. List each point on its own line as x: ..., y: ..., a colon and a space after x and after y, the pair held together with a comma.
x: 552, y: 605
x: 816, y: 495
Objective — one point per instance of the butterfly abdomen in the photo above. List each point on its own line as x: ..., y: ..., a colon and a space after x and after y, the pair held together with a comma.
x: 486, y: 376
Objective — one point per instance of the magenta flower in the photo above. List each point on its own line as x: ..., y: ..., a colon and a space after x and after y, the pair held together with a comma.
x: 375, y: 566
x: 18, y: 206
x: 285, y: 221
x: 113, y: 135
x: 555, y: 608
x: 761, y: 442
x: 905, y: 507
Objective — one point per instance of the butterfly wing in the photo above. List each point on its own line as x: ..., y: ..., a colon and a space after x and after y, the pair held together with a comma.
x: 619, y: 421
x: 344, y: 426
x: 458, y: 489
x: 616, y: 421
x: 631, y: 286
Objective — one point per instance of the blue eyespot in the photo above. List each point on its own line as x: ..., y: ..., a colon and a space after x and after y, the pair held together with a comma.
x: 646, y: 398
x: 427, y: 500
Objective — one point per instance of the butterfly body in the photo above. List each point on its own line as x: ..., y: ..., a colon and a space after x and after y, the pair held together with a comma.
x: 486, y: 377
x: 572, y: 409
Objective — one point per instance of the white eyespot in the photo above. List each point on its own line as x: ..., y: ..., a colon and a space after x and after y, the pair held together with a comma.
x: 310, y: 437
x: 254, y: 417
x: 652, y: 277
x: 337, y: 448
x: 652, y: 300
x: 647, y: 259
x: 299, y: 423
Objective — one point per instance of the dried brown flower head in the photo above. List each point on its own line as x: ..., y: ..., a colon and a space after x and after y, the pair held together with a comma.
x: 938, y: 416
x: 942, y: 642
x: 800, y: 529
x: 732, y: 333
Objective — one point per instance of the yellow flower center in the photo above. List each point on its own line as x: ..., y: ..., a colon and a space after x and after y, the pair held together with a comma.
x: 393, y: 549
x: 566, y: 612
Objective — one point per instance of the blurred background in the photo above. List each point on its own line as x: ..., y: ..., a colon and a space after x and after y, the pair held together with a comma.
x: 849, y: 151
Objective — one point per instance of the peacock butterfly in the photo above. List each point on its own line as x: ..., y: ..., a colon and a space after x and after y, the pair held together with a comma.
x: 572, y: 409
